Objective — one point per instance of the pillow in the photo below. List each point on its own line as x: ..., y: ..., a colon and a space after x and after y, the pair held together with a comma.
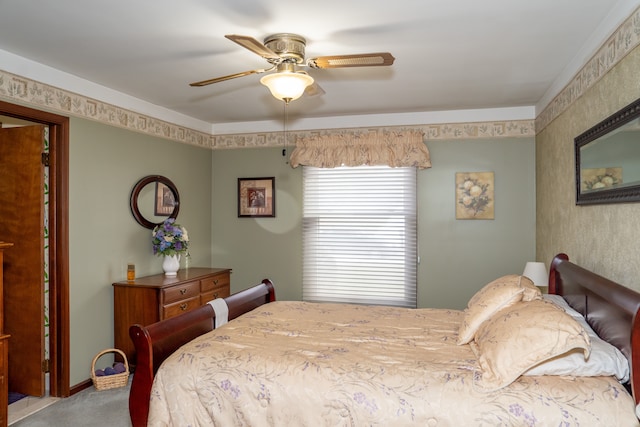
x: 604, y: 360
x: 493, y: 297
x: 563, y: 304
x: 522, y: 336
x: 531, y: 291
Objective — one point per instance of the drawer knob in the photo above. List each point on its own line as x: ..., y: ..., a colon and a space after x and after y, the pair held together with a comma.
x: 215, y: 281
x: 215, y: 295
x: 183, y: 291
x: 184, y: 306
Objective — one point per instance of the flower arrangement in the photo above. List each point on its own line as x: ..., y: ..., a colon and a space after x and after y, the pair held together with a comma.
x: 170, y: 238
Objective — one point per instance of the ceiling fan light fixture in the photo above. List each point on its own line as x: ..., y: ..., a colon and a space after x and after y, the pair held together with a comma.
x: 286, y: 52
x: 287, y: 86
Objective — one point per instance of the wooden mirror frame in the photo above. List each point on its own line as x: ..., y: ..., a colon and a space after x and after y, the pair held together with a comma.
x: 623, y: 193
x: 133, y: 202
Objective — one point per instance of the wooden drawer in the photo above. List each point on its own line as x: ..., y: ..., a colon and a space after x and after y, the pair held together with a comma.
x: 180, y: 292
x: 217, y: 286
x: 221, y: 292
x: 180, y: 307
x: 215, y: 282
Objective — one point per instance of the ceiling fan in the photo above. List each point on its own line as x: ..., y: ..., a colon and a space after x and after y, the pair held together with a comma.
x: 285, y: 53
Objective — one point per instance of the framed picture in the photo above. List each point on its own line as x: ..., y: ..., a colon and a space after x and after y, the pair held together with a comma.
x: 475, y: 195
x: 257, y: 197
x: 600, y: 178
x: 165, y: 200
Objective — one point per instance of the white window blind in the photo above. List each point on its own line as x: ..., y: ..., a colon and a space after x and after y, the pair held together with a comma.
x: 359, y: 235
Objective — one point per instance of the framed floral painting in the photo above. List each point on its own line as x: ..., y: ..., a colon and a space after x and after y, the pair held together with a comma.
x: 256, y: 197
x: 475, y: 195
x: 599, y: 178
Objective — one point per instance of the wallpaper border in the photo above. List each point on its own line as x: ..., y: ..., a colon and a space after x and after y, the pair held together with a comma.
x: 453, y: 131
x: 613, y: 50
x: 33, y: 93
x: 26, y: 91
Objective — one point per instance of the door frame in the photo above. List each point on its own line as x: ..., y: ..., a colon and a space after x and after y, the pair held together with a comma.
x: 59, y: 353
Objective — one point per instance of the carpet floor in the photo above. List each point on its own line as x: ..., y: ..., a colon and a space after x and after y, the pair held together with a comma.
x: 89, y: 408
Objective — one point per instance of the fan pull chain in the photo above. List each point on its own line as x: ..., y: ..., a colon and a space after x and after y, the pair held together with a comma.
x: 284, y: 130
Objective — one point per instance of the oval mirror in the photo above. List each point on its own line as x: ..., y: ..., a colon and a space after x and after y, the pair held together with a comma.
x: 154, y: 199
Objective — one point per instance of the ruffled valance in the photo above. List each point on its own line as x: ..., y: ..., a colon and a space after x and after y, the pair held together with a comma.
x: 375, y: 148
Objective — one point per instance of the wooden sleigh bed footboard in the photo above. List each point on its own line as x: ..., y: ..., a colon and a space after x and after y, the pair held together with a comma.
x: 155, y: 342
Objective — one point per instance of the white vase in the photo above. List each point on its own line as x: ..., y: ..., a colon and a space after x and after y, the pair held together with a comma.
x: 171, y: 264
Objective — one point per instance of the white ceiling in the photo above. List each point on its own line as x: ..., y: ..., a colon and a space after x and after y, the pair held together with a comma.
x: 450, y: 55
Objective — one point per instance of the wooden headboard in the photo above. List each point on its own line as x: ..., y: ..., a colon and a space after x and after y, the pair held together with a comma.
x: 610, y: 308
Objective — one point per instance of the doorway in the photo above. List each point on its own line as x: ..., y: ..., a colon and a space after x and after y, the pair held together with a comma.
x: 58, y: 256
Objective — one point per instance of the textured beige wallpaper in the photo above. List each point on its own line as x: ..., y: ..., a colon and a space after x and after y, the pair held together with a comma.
x: 602, y: 238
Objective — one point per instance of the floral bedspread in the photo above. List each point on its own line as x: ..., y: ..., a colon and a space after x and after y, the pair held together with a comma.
x: 305, y: 364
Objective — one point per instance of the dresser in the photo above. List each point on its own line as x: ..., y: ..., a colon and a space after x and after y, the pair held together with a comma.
x: 150, y: 299
x: 4, y: 345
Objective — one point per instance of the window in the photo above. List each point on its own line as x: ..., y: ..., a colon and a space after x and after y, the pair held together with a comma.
x: 359, y: 235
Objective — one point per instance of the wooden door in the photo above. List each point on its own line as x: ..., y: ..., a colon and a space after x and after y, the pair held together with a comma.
x: 21, y: 222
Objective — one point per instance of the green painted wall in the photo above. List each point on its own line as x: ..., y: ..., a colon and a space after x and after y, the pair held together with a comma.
x: 258, y: 248
x: 105, y: 163
x: 457, y: 256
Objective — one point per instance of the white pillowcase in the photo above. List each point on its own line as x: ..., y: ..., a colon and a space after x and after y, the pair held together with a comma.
x: 604, y: 360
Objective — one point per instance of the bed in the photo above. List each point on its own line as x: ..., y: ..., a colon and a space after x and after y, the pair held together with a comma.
x: 392, y: 366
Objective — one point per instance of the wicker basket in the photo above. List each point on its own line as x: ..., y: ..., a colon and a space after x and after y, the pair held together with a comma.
x: 110, y: 381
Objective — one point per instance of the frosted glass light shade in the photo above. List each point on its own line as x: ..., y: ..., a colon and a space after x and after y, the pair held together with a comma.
x: 287, y: 86
x: 537, y: 272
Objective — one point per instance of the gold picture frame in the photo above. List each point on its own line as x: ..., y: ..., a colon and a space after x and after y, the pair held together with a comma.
x: 475, y: 196
x: 256, y: 197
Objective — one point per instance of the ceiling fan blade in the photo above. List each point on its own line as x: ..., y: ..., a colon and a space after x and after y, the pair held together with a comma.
x: 254, y: 46
x: 358, y: 60
x: 229, y: 77
x: 314, y: 89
